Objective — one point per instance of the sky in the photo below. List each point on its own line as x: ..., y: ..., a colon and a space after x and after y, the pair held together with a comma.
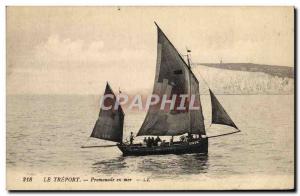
x: 75, y: 50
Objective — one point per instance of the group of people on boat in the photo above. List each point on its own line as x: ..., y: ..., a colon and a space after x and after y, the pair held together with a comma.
x: 151, y: 141
x: 188, y: 138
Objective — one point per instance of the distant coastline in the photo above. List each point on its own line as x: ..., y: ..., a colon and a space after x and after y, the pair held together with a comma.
x: 235, y: 79
x: 274, y: 70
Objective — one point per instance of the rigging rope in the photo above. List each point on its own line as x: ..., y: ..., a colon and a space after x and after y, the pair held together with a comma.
x: 199, y: 74
x: 210, y: 90
x: 224, y: 134
x: 87, y: 140
x: 104, y: 146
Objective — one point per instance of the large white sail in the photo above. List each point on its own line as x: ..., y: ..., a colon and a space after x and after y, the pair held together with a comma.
x: 173, y: 77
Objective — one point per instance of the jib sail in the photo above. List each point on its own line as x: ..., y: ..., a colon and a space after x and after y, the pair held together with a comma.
x: 219, y: 115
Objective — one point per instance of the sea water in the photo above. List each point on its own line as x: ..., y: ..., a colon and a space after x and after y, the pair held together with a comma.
x: 45, y: 133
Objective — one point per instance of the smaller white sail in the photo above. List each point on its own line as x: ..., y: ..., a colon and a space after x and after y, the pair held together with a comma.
x: 219, y: 115
x: 109, y: 125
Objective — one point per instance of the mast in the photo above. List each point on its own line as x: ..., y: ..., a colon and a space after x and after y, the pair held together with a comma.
x: 190, y: 83
x: 190, y: 67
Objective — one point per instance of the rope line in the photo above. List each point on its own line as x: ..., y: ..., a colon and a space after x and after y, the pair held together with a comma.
x: 104, y: 146
x: 223, y: 134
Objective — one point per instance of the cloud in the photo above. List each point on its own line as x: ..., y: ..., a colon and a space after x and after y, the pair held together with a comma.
x: 58, y: 49
x: 67, y: 66
x: 76, y: 50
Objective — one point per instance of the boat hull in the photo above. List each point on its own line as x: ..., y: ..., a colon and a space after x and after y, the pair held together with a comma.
x: 198, y: 146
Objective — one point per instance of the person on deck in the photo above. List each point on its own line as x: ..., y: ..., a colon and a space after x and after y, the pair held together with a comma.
x: 157, y: 139
x: 182, y: 138
x: 131, y: 138
x: 148, y: 142
x: 190, y: 137
x: 152, y: 141
x: 172, y: 140
x: 145, y: 141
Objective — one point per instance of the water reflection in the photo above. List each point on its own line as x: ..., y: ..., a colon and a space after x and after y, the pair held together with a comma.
x: 162, y: 166
x: 170, y: 165
x: 110, y: 166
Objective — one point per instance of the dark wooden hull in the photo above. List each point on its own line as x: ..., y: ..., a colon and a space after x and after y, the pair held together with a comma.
x: 198, y: 146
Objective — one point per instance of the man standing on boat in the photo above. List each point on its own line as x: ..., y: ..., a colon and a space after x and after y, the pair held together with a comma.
x: 172, y: 140
x: 190, y: 137
x: 131, y: 138
x: 145, y: 141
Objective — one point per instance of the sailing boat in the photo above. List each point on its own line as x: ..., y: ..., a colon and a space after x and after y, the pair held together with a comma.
x: 173, y: 77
